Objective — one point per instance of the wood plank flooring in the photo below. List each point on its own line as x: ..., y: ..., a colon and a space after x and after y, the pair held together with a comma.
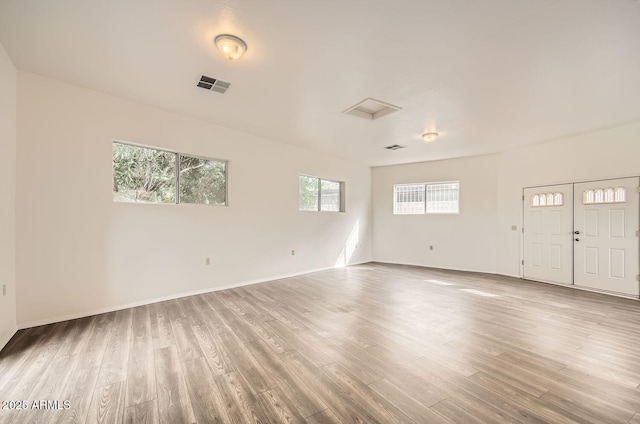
x: 373, y: 343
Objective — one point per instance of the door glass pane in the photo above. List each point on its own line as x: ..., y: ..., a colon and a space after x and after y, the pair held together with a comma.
x: 608, y: 195
x: 558, y: 199
x: 588, y: 197
x: 535, y: 200
x: 599, y: 196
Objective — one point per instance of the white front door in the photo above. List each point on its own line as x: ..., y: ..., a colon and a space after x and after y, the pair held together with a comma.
x: 606, y: 222
x: 548, y: 234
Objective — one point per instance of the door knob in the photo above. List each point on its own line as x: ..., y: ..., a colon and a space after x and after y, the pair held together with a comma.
x: 577, y: 239
x: 576, y: 232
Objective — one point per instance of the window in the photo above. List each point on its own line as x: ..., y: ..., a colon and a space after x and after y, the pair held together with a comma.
x: 202, y: 181
x: 535, y: 200
x: 316, y: 194
x: 599, y: 195
x: 329, y: 196
x: 308, y: 193
x: 558, y: 199
x: 442, y: 198
x: 409, y: 199
x: 547, y: 199
x: 607, y: 195
x: 418, y: 199
x: 147, y: 175
x: 588, y: 197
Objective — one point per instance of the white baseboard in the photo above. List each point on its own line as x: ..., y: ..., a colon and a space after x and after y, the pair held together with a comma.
x: 4, y: 338
x: 509, y: 275
x: 436, y: 267
x: 588, y: 289
x: 83, y: 314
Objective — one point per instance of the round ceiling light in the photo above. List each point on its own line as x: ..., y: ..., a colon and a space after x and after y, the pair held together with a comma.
x: 429, y: 137
x: 230, y: 46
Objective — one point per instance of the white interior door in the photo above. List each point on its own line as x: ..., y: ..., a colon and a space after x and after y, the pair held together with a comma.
x: 606, y: 222
x: 548, y: 234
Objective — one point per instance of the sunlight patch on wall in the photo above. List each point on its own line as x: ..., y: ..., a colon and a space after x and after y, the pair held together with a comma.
x: 350, y: 246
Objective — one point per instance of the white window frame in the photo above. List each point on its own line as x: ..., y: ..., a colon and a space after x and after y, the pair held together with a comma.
x: 177, y: 175
x: 341, y: 201
x: 425, y: 209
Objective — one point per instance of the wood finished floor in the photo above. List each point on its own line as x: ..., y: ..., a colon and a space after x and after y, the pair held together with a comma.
x: 372, y: 343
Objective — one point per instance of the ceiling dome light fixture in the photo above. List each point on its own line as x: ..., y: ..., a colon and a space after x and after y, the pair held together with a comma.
x: 230, y: 46
x: 429, y: 137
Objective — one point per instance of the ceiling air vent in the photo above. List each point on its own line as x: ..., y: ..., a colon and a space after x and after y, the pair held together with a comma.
x: 371, y: 109
x: 394, y: 147
x: 213, y: 84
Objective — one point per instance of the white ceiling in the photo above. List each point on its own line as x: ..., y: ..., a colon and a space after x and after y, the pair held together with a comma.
x: 487, y: 75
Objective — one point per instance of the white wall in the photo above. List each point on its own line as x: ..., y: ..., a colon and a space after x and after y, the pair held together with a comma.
x: 7, y: 194
x: 79, y: 253
x: 465, y: 241
x: 610, y: 153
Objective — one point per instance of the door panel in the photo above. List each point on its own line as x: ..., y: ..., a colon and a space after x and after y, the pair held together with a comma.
x: 548, y: 227
x: 617, y: 223
x: 606, y: 218
x: 591, y: 255
x: 555, y: 257
x: 617, y: 263
x: 555, y: 222
x: 591, y: 223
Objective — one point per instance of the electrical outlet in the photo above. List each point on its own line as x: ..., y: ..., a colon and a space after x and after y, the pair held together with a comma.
x: 207, y: 261
x: 430, y: 247
x: 4, y: 289
x: 293, y: 252
x: 514, y: 228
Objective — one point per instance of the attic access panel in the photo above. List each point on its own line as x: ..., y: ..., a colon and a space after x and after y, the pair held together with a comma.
x: 371, y: 109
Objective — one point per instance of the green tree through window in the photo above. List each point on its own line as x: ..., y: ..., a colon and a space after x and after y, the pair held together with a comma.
x: 308, y: 193
x: 315, y: 194
x: 202, y: 181
x: 147, y: 175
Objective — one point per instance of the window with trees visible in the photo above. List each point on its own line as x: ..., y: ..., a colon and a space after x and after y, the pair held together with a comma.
x: 147, y: 175
x: 316, y: 194
x: 430, y: 198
